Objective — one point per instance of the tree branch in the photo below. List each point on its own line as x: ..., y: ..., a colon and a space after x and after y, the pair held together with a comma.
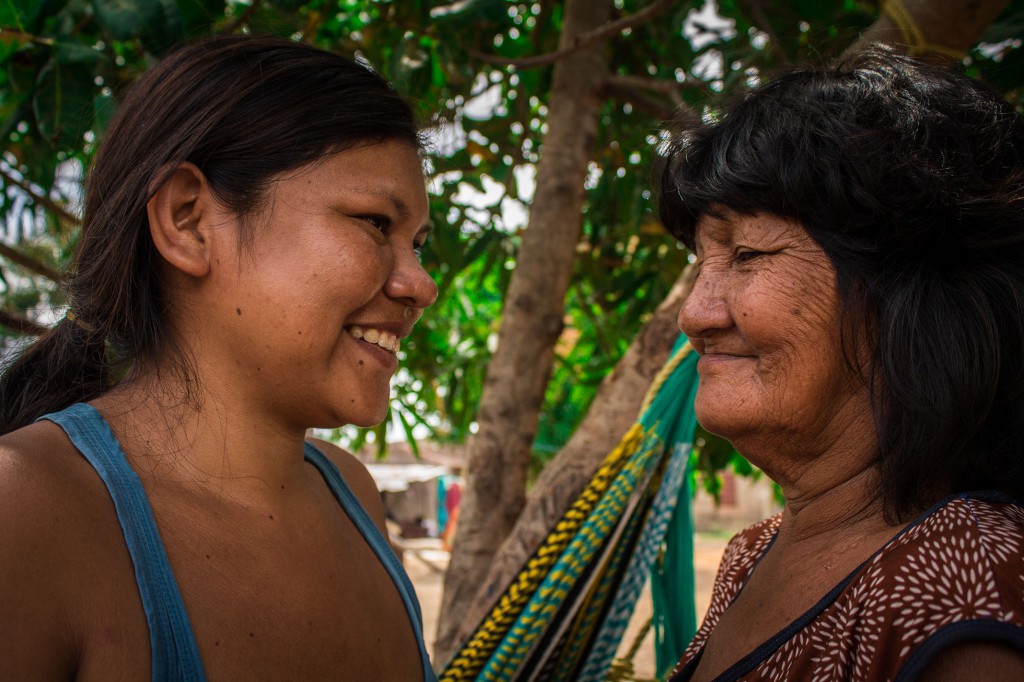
x: 42, y: 200
x: 754, y: 9
x: 240, y: 20
x: 654, y: 106
x: 584, y: 40
x: 7, y: 33
x: 28, y: 262
x: 666, y: 87
x: 630, y: 88
x: 21, y: 324
x: 943, y: 27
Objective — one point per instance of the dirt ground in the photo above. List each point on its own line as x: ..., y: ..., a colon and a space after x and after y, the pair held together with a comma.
x: 425, y: 561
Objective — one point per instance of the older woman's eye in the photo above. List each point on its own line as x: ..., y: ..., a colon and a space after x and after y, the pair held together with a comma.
x: 746, y: 255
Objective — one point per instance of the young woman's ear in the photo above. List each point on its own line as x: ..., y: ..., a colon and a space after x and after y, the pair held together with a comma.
x: 180, y: 213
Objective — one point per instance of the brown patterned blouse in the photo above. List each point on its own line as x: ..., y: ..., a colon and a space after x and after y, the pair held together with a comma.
x: 954, y: 574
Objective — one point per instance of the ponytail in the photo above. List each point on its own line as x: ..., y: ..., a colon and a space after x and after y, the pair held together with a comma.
x: 66, y: 365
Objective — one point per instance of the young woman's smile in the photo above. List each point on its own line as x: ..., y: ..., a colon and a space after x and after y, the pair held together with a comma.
x: 311, y: 317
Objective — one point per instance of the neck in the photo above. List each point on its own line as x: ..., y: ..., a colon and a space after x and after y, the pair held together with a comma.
x: 831, y: 482
x: 202, y: 441
x: 846, y: 504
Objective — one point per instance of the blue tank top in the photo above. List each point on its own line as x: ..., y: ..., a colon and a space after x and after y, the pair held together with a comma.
x: 172, y: 643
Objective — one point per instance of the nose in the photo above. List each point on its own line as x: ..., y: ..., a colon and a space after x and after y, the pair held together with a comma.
x: 705, y: 309
x: 410, y: 283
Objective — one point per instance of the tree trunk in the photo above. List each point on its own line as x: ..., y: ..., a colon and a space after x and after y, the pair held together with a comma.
x: 532, y: 321
x: 953, y: 25
x: 612, y: 413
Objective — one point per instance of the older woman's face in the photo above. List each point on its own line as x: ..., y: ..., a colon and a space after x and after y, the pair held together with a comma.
x: 764, y: 317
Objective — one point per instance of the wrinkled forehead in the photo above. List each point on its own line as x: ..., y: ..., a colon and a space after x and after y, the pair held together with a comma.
x: 721, y: 225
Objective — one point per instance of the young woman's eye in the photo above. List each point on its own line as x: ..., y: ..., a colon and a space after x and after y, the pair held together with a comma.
x: 418, y: 247
x: 380, y: 222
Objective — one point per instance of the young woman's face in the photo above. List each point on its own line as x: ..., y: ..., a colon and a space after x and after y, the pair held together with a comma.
x: 311, y: 317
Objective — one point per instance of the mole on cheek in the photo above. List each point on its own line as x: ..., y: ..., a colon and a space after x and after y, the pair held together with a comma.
x: 238, y: 311
x: 797, y: 312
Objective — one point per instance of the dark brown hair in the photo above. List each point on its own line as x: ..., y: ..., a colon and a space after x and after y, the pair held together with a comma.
x: 243, y: 109
x: 911, y: 179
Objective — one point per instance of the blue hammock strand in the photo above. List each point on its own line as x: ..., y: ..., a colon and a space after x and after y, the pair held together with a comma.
x: 564, y: 631
x: 610, y: 634
x: 541, y: 609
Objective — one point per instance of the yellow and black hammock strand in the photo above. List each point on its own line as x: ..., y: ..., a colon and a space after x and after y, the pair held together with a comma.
x: 563, y: 615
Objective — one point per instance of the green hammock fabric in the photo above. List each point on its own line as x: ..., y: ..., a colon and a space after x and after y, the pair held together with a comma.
x: 564, y: 614
x: 672, y: 591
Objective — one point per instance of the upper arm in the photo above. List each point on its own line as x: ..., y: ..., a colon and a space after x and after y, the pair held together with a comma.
x: 358, y: 479
x: 36, y: 635
x: 976, y: 661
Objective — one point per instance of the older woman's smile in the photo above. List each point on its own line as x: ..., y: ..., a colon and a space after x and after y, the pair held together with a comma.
x: 713, y: 357
x: 764, y: 316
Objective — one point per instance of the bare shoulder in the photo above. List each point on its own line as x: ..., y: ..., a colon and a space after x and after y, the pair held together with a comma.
x: 41, y: 510
x: 41, y: 476
x: 976, y: 661
x: 358, y: 479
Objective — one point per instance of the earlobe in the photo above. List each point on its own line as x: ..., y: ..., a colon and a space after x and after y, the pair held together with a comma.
x: 179, y: 217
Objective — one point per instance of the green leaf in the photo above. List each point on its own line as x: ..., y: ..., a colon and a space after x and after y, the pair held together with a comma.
x: 199, y: 15
x: 407, y: 427
x: 63, y: 99
x: 19, y: 14
x: 128, y: 19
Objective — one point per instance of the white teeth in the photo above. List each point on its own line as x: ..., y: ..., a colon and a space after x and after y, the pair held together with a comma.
x: 384, y: 339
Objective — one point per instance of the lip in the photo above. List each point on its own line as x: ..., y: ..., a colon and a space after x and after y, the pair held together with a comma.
x: 709, y: 360
x: 399, y: 329
x: 385, y: 358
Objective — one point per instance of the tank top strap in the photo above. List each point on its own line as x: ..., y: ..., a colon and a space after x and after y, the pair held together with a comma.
x: 173, y: 646
x: 377, y: 543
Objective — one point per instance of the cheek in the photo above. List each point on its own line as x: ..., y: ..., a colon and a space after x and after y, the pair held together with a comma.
x: 347, y: 278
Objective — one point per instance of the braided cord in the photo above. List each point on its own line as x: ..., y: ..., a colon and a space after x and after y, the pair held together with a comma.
x: 466, y: 664
x: 911, y: 32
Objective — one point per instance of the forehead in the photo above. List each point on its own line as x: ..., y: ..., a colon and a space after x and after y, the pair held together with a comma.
x: 389, y: 171
x: 724, y: 226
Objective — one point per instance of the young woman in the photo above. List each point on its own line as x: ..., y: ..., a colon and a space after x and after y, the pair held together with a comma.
x: 247, y: 269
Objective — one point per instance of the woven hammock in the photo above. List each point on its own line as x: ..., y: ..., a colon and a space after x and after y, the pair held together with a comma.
x: 563, y: 616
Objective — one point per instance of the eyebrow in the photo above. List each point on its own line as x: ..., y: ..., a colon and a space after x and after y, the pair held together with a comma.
x: 400, y: 206
x: 396, y: 202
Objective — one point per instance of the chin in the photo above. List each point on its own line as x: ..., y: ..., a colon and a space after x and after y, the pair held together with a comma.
x: 724, y: 425
x: 366, y: 419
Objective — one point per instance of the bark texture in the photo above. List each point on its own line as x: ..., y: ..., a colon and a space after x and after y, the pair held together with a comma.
x: 532, y: 321
x: 955, y: 25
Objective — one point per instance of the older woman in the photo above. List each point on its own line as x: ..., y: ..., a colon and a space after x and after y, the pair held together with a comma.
x: 859, y: 312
